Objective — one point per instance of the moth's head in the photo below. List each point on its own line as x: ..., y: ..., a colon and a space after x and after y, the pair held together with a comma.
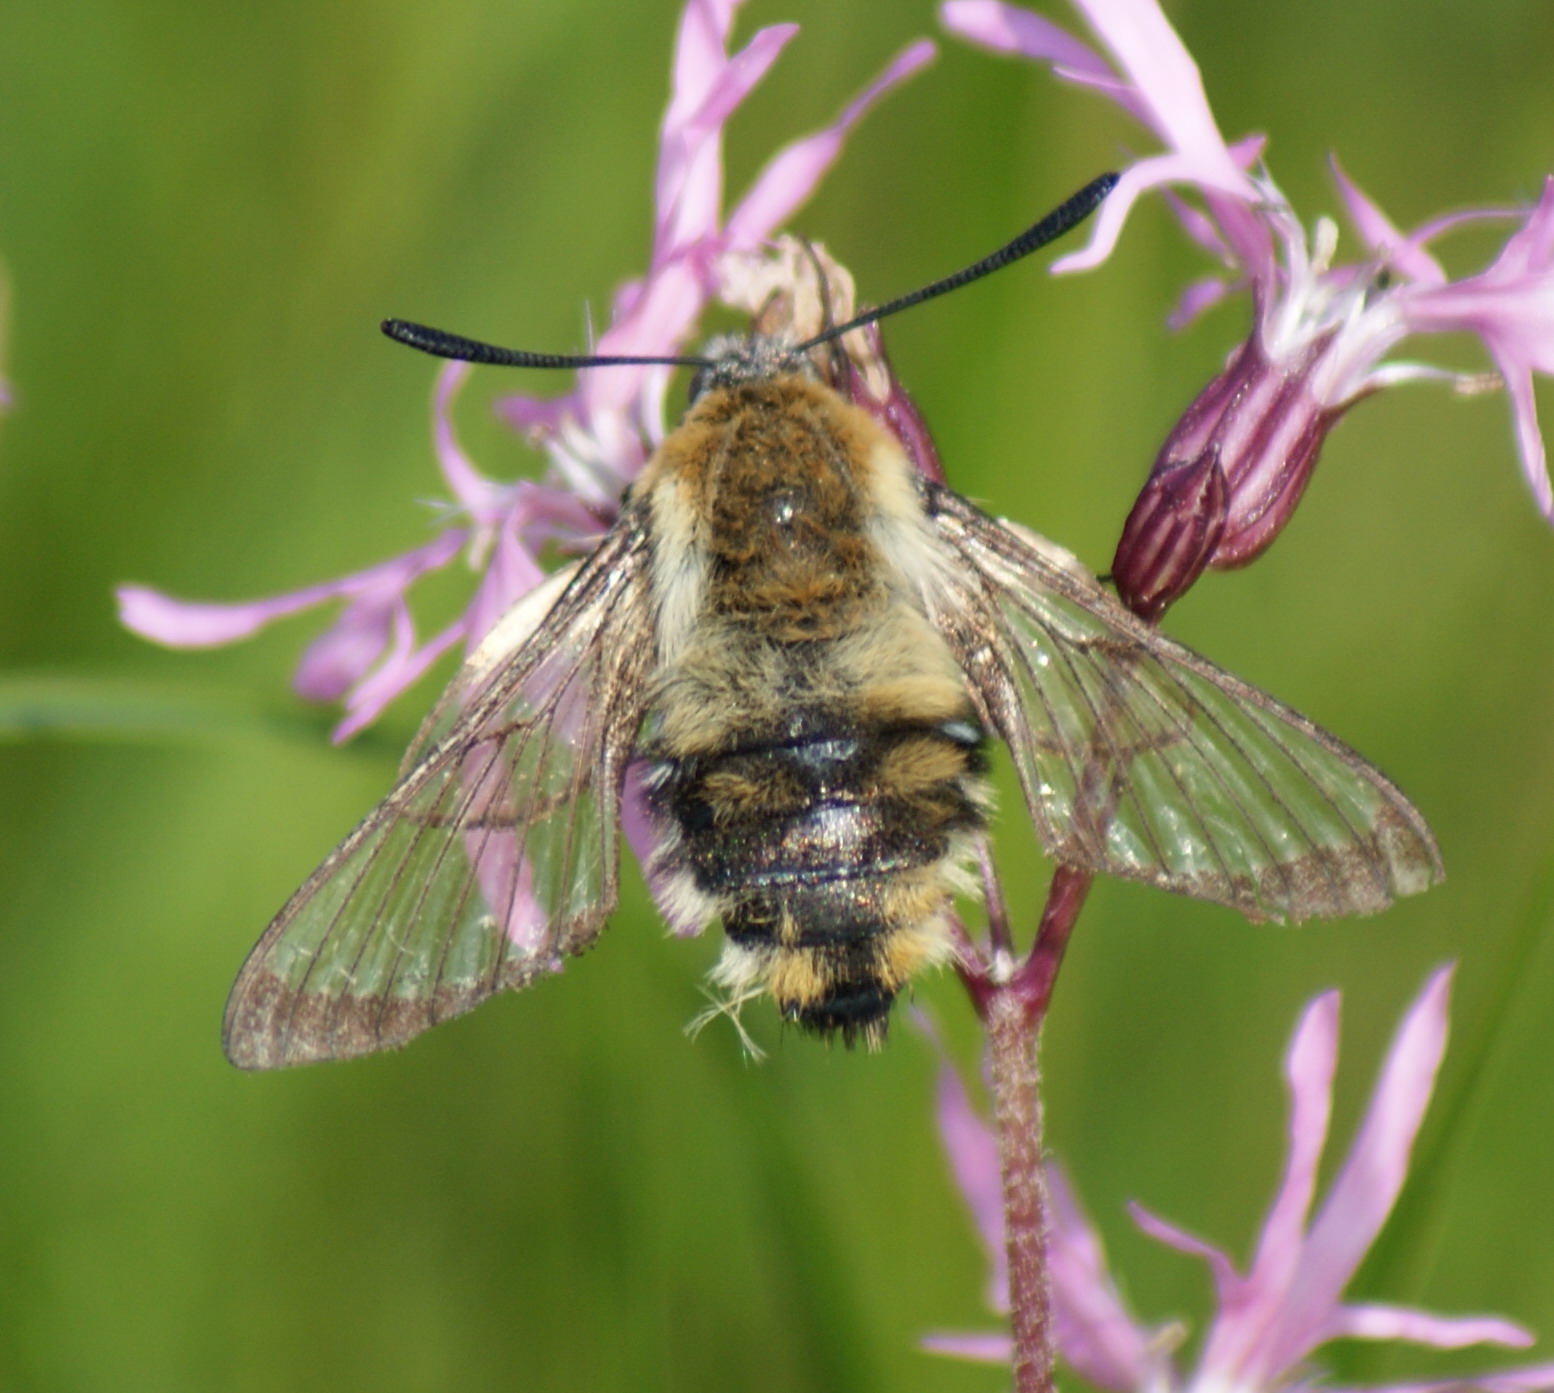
x: 734, y: 359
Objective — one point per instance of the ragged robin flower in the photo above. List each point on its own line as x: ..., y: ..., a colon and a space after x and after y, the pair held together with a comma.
x: 596, y: 437
x: 1268, y: 1320
x: 1232, y: 471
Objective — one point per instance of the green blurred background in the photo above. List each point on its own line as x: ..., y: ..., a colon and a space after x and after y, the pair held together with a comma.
x: 204, y: 210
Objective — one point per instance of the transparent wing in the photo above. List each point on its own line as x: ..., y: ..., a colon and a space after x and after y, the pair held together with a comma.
x: 1138, y: 758
x: 493, y: 857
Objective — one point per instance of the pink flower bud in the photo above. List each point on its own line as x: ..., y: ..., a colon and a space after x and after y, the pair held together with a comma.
x: 1228, y: 477
x: 1171, y: 533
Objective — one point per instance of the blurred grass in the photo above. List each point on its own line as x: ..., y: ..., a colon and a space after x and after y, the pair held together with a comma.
x: 63, y: 707
x: 203, y: 213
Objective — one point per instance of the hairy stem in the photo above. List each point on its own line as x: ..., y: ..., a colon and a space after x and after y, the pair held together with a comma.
x: 1016, y: 1080
x: 1013, y: 1011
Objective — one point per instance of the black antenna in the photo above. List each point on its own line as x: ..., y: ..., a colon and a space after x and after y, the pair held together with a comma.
x: 1065, y: 216
x: 444, y: 345
x: 441, y: 344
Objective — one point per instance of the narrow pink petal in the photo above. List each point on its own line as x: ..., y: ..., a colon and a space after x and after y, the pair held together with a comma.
x: 478, y: 495
x: 377, y: 689
x: 1154, y: 59
x: 985, y: 1349
x: 1532, y: 248
x: 791, y: 174
x: 972, y: 1151
x: 1011, y: 29
x: 1514, y: 316
x: 1374, y: 1321
x: 1509, y: 304
x: 1094, y: 1333
x: 700, y: 56
x: 1197, y: 298
x: 568, y: 522
x: 402, y: 669
x: 1139, y: 178
x: 544, y: 513
x: 1198, y: 227
x: 1529, y: 439
x: 1378, y: 233
x: 536, y: 415
x: 1308, y: 1073
x: 1220, y: 1266
x: 1248, y: 229
x: 688, y: 208
x: 688, y: 191
x: 1248, y: 150
x: 194, y: 624
x: 623, y: 302
x: 1427, y: 232
x: 649, y: 411
x: 736, y: 79
x: 700, y: 44
x: 511, y: 573
x: 1251, y: 1310
x: 1162, y: 88
x: 597, y: 463
x: 1367, y: 1185
x: 340, y: 656
x: 659, y: 321
x: 1530, y: 1378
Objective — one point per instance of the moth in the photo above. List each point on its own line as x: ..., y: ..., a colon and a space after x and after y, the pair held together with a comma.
x: 796, y: 650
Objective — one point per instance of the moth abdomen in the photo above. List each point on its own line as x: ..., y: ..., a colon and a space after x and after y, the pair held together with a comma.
x: 829, y: 857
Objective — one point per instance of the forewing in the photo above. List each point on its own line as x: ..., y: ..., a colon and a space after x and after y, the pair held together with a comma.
x: 1138, y: 758
x: 493, y: 857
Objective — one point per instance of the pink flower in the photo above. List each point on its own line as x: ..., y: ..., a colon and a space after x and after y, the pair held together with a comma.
x: 596, y: 437
x: 1233, y: 470
x: 1269, y: 1319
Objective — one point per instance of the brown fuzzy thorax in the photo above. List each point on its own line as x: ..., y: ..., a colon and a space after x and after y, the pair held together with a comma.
x: 816, y: 762
x: 773, y: 472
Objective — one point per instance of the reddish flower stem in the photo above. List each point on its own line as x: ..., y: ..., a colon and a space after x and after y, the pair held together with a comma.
x: 1013, y: 1010
x: 1037, y: 976
x: 1016, y: 1084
